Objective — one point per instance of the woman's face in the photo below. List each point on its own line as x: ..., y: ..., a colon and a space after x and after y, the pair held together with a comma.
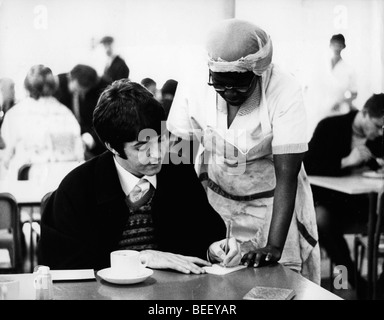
x: 234, y: 87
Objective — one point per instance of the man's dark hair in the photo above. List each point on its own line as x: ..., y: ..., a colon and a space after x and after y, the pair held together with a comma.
x: 107, y: 40
x: 123, y: 110
x: 85, y: 75
x: 375, y: 105
x: 338, y: 38
x: 146, y: 82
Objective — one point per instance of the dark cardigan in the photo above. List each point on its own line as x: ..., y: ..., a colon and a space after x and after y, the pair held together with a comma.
x: 84, y: 218
x: 331, y: 142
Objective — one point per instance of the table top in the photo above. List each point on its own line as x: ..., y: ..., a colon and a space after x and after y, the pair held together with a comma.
x: 353, y: 184
x: 170, y: 285
x: 28, y: 192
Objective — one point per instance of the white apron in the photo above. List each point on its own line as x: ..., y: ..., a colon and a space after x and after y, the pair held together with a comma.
x: 240, y: 185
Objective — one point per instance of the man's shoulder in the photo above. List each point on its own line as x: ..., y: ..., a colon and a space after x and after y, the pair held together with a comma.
x: 337, y: 120
x: 81, y: 176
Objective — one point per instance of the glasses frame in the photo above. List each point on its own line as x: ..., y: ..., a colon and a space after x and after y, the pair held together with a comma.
x: 222, y: 88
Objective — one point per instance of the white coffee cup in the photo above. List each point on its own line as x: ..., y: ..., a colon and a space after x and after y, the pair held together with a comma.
x: 9, y: 288
x: 126, y: 263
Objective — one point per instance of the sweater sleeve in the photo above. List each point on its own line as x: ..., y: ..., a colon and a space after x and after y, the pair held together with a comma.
x: 63, y: 244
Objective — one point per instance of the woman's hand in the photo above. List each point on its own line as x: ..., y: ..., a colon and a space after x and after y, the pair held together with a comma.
x: 166, y: 260
x: 217, y: 252
x: 261, y: 257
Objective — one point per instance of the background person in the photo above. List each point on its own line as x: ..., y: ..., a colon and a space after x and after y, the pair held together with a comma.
x: 39, y: 129
x: 331, y: 86
x: 115, y: 67
x: 341, y: 145
x: 79, y: 90
x: 168, y: 91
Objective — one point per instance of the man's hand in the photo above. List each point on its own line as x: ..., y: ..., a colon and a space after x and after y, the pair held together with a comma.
x: 166, y: 260
x: 357, y: 156
x: 217, y: 252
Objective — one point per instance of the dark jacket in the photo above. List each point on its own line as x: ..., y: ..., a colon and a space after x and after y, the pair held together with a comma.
x: 87, y: 106
x: 116, y: 71
x: 84, y: 218
x: 331, y: 142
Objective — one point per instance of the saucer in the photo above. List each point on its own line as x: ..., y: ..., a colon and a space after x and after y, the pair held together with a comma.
x: 107, y: 275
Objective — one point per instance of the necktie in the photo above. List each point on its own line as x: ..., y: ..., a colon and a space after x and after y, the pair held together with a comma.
x: 139, y: 190
x: 76, y: 106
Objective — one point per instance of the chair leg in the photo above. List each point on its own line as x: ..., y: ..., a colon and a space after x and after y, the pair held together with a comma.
x: 356, y: 260
x: 331, y: 265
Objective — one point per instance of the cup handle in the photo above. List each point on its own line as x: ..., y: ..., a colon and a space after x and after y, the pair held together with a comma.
x: 3, y: 292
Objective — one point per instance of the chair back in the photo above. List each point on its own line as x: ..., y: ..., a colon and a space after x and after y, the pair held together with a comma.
x: 44, y: 201
x: 23, y: 173
x: 10, y: 232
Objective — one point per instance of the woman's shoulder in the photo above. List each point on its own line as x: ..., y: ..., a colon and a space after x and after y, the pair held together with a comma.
x: 280, y: 80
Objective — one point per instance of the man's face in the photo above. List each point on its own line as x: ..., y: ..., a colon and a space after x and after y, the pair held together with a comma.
x: 373, y: 127
x: 144, y: 156
x: 336, y: 47
x: 108, y: 49
x: 234, y: 87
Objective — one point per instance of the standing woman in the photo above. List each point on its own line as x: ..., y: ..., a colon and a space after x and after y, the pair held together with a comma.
x: 250, y: 121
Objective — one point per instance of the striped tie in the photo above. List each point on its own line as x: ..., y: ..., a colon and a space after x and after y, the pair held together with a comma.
x: 139, y: 190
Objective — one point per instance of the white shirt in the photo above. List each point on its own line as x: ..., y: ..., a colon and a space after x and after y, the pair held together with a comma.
x: 128, y: 181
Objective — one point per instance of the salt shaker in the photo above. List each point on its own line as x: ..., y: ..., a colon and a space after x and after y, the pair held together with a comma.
x: 43, y: 283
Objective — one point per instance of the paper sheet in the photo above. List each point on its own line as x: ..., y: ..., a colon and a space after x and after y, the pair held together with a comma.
x: 77, y: 274
x: 220, y: 270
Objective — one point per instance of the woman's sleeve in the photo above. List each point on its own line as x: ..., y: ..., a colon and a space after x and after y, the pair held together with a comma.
x: 178, y: 121
x: 289, y: 122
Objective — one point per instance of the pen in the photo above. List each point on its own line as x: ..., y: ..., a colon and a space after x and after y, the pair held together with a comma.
x: 229, y: 226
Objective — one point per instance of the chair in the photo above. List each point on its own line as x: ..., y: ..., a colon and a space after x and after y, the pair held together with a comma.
x: 43, y: 204
x: 362, y: 243
x: 10, y: 235
x: 357, y: 231
x: 23, y: 172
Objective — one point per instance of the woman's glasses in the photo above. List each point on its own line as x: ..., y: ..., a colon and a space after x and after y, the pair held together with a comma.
x: 223, y: 88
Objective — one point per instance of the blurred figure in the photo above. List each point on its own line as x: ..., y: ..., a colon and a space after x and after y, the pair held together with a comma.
x: 7, y: 94
x: 7, y: 101
x: 115, y: 67
x: 342, y: 145
x: 39, y: 129
x: 151, y: 85
x: 167, y: 95
x: 332, y: 87
x: 79, y: 90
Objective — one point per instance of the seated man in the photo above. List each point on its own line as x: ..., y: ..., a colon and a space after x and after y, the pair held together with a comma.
x: 341, y: 145
x: 94, y: 210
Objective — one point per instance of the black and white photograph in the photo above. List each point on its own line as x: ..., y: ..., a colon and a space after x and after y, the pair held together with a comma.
x: 187, y: 153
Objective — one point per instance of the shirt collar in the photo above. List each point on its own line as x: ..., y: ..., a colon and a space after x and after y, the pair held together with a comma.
x: 128, y: 181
